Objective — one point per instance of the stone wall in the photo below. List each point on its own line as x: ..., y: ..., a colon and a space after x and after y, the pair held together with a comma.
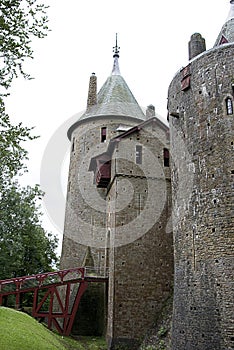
x: 140, y: 238
x: 85, y: 216
x: 84, y: 236
x: 203, y: 219
x: 90, y: 319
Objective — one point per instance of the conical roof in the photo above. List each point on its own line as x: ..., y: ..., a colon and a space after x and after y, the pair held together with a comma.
x: 115, y: 98
x: 226, y: 34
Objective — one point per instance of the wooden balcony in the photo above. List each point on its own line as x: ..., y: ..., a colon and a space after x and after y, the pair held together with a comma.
x: 103, y: 174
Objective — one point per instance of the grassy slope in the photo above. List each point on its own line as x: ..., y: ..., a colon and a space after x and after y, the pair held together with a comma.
x: 20, y: 331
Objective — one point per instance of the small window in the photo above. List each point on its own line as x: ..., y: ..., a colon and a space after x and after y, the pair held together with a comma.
x: 103, y: 134
x: 138, y: 154
x: 73, y: 145
x: 166, y: 157
x: 229, y: 106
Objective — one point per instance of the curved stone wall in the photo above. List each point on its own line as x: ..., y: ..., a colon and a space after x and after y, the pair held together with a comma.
x: 85, y: 217
x: 202, y: 141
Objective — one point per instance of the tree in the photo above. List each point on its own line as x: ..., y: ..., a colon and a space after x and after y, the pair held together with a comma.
x: 20, y: 21
x: 11, y: 151
x: 25, y: 247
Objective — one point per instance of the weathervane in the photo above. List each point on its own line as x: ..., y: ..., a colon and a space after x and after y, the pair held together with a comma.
x: 116, y: 47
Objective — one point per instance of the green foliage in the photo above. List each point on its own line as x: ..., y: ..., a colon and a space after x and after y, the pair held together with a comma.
x: 85, y: 343
x: 12, y: 153
x: 122, y: 347
x: 162, y: 332
x: 160, y: 346
x: 25, y: 248
x: 148, y: 347
x: 20, y: 21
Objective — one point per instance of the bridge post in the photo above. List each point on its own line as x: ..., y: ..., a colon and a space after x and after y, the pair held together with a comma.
x: 82, y: 288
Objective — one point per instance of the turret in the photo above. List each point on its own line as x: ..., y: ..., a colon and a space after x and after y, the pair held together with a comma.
x: 197, y: 45
x: 200, y: 106
x: 150, y: 112
x: 92, y: 95
x: 84, y: 239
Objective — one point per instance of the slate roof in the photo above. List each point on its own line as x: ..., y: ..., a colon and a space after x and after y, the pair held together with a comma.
x: 115, y: 98
x: 226, y: 34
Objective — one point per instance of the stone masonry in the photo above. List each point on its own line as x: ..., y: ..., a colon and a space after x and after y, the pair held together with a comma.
x: 201, y: 127
x: 133, y: 240
x: 85, y: 218
x: 123, y: 188
x: 140, y: 235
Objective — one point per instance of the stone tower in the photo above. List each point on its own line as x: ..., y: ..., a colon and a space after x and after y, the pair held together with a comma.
x: 85, y: 216
x: 84, y: 239
x: 139, y: 238
x: 201, y: 98
x: 118, y: 209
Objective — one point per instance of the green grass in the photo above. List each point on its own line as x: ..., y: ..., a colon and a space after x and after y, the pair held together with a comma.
x: 20, y: 331
x: 85, y: 343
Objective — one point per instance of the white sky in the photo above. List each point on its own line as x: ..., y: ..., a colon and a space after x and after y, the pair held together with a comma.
x: 153, y: 38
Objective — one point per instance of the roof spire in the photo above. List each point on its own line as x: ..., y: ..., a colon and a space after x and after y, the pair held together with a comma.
x: 231, y: 12
x: 226, y: 34
x: 116, y: 47
x: 115, y: 70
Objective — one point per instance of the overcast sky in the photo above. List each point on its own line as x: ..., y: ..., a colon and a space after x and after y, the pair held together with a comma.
x: 153, y: 38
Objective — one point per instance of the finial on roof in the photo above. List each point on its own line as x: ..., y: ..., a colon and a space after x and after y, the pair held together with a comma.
x: 231, y: 12
x: 115, y: 70
x: 116, y: 47
x: 226, y: 34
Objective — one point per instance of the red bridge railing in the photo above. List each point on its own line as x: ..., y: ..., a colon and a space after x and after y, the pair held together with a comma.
x: 56, y: 295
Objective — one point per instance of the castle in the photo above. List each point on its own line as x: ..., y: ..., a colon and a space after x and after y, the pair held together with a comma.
x: 128, y: 174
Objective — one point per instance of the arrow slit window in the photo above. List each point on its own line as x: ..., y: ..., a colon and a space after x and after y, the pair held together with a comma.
x: 166, y: 157
x: 138, y: 154
x: 103, y: 134
x: 229, y: 106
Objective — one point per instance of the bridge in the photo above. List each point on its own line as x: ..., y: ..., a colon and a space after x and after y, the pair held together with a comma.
x: 56, y: 295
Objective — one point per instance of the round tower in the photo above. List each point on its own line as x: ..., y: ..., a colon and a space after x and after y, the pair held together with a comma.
x: 112, y: 109
x: 201, y: 100
x: 197, y: 45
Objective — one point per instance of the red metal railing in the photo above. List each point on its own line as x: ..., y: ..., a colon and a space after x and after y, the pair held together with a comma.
x: 56, y: 295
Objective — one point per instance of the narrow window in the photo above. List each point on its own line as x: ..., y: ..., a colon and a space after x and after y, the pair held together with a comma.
x: 103, y: 134
x: 166, y: 157
x: 138, y: 154
x: 73, y: 145
x: 229, y: 106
